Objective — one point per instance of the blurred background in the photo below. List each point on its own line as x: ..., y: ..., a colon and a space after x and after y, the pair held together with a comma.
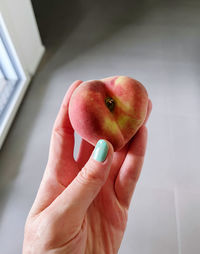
x: 154, y: 41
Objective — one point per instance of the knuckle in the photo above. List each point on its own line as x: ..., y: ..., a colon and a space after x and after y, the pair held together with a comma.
x: 58, y: 131
x: 134, y: 177
x: 91, y: 176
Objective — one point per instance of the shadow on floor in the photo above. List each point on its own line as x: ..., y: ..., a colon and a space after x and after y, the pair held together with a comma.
x: 80, y: 25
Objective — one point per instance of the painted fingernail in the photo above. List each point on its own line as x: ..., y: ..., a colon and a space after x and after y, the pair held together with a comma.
x: 100, y: 151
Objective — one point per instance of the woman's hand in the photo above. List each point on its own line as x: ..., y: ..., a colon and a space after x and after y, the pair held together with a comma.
x: 82, y: 205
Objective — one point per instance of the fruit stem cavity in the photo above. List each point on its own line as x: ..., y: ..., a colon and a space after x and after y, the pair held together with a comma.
x: 110, y: 103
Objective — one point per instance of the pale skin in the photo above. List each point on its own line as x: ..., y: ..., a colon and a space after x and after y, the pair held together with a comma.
x: 82, y: 205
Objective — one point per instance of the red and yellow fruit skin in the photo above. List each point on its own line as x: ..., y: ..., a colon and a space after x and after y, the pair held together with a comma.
x: 91, y: 118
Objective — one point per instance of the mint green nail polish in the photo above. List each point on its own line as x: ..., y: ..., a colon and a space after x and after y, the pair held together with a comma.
x: 100, y: 151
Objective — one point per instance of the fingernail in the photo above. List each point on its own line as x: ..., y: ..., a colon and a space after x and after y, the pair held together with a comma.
x: 100, y: 151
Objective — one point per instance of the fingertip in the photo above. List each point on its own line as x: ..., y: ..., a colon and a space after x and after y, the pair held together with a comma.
x: 103, y: 151
x: 110, y: 147
x: 143, y: 128
x: 150, y: 106
x: 149, y: 109
x: 72, y: 88
x: 77, y: 82
x: 110, y: 151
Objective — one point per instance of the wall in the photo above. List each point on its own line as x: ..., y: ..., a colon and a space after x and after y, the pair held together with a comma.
x: 20, y: 22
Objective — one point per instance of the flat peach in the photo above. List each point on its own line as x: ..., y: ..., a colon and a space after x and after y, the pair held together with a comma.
x: 113, y: 108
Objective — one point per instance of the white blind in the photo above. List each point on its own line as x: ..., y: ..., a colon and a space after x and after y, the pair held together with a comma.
x: 6, y: 64
x: 1, y: 74
x: 6, y: 90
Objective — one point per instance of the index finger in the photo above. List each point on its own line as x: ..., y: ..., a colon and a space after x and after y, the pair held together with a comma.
x: 62, y: 122
x: 63, y: 133
x: 61, y: 168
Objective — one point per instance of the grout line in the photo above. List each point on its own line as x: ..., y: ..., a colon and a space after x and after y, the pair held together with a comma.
x: 177, y: 220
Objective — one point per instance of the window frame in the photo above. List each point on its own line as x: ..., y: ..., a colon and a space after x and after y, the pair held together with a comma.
x: 11, y: 72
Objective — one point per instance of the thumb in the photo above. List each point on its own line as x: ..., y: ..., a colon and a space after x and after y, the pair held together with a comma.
x: 80, y: 193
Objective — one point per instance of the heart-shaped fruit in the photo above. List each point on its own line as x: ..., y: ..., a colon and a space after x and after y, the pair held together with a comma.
x: 113, y: 108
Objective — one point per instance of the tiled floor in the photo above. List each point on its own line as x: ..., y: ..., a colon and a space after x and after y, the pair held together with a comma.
x: 156, y: 42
